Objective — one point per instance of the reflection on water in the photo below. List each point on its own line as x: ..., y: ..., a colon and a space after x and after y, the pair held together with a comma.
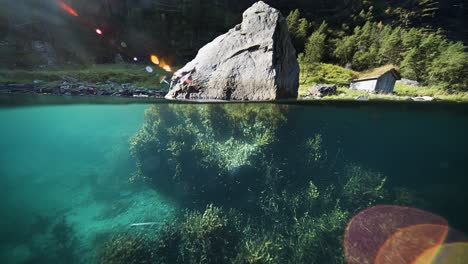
x: 233, y: 183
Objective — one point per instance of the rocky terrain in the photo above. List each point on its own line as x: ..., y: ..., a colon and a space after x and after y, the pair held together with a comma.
x: 78, y: 88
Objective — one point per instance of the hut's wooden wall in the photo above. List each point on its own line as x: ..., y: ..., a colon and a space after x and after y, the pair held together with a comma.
x: 385, y: 83
x: 368, y: 85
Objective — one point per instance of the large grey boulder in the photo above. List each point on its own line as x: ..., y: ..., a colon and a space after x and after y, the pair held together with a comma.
x: 253, y: 61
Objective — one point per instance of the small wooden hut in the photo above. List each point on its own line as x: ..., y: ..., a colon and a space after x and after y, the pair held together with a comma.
x: 382, y: 82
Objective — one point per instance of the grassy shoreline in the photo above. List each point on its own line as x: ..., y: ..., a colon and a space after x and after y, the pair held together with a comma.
x: 101, y: 75
x: 112, y: 76
x: 333, y: 74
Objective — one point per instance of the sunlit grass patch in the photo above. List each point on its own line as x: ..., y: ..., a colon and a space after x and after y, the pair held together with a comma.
x: 312, y: 74
x: 134, y: 74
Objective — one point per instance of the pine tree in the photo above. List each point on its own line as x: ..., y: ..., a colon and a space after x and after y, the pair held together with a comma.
x: 450, y: 68
x: 315, y: 47
x: 391, y: 47
x: 367, y: 43
x: 293, y: 21
x: 345, y: 49
x: 298, y: 28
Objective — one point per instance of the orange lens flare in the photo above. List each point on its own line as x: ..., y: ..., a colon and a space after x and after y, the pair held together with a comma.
x: 392, y: 234
x: 67, y: 8
x: 452, y: 253
x: 154, y: 59
x: 167, y: 68
x: 407, y: 244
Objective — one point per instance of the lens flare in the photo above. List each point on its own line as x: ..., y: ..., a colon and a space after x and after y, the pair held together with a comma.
x: 135, y: 59
x: 406, y: 244
x: 167, y: 68
x: 452, y: 253
x: 67, y: 8
x: 154, y: 59
x: 369, y: 230
x: 98, y: 31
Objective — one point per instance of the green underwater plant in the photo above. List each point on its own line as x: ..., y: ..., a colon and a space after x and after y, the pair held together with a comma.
x: 315, y: 149
x: 258, y: 251
x: 284, y: 201
x: 197, y: 151
x: 127, y: 248
x: 363, y: 188
x: 211, y: 236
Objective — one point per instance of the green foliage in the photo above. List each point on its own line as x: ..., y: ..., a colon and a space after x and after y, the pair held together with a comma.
x: 194, y: 144
x: 324, y: 73
x: 345, y: 49
x: 208, y: 237
x: 292, y: 211
x: 391, y: 47
x: 127, y: 248
x: 258, y: 251
x: 420, y: 13
x: 314, y: 147
x: 315, y: 46
x: 450, y: 68
x: 422, y: 56
x: 293, y: 20
x: 363, y: 188
x: 212, y: 236
x: 298, y: 28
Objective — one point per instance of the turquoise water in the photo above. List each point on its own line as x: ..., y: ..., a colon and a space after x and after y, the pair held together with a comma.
x: 72, y: 162
x: 65, y: 169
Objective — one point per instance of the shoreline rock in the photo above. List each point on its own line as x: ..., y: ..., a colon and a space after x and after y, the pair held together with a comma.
x: 73, y: 89
x: 255, y: 61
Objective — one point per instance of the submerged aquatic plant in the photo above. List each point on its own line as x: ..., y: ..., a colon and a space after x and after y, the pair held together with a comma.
x: 200, y: 151
x: 282, y: 206
x: 363, y: 188
x: 315, y: 149
x: 127, y: 248
x: 258, y: 251
x: 211, y: 236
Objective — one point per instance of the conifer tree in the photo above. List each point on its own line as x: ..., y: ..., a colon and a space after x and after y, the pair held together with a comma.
x: 315, y: 47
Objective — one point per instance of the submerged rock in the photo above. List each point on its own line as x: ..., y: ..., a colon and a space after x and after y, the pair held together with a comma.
x: 253, y: 61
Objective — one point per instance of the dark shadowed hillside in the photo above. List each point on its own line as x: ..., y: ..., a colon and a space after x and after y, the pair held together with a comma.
x: 65, y: 30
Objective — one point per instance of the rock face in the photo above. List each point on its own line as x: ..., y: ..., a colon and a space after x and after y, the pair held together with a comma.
x: 322, y: 90
x: 253, y: 61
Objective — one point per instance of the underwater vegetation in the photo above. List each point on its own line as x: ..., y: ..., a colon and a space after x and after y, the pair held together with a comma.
x: 199, y: 151
x: 255, y: 193
x: 127, y: 248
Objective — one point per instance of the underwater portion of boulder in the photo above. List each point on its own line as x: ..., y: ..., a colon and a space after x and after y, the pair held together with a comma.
x: 253, y: 61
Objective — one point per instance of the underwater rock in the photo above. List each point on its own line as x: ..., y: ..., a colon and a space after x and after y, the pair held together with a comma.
x: 253, y: 61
